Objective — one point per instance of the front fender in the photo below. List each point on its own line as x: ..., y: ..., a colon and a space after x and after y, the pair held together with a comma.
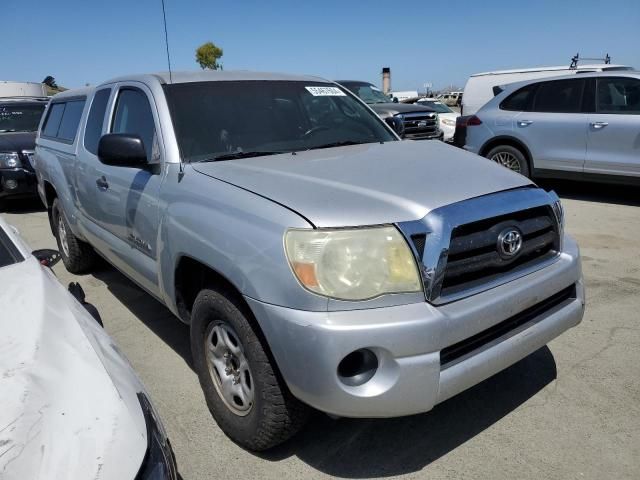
x: 234, y: 232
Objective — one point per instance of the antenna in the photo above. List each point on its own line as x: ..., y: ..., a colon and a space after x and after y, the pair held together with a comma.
x: 166, y: 41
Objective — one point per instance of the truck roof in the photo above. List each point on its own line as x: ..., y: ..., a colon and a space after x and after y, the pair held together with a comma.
x: 216, y: 75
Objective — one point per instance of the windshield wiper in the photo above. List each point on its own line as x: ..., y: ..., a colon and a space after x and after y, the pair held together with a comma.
x: 342, y: 143
x: 236, y: 155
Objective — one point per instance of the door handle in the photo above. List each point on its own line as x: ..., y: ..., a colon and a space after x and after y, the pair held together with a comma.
x: 102, y: 183
x: 524, y: 123
x: 599, y: 125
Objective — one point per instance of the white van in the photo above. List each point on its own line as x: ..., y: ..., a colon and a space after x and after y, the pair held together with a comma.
x: 482, y: 87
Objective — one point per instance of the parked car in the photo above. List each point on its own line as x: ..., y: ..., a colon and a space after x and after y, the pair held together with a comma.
x: 446, y: 116
x: 452, y: 99
x: 318, y: 260
x: 482, y: 87
x: 19, y: 119
x: 72, y: 407
x: 582, y: 127
x: 420, y: 123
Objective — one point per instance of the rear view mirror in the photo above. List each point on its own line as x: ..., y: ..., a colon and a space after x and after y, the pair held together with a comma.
x: 395, y: 99
x: 47, y: 256
x: 396, y: 124
x: 122, y: 150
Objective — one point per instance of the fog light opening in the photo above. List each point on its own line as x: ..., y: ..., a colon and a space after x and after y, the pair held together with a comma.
x: 11, y: 184
x: 358, y: 367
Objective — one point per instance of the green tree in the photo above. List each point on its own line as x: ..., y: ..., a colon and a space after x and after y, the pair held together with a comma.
x: 208, y: 56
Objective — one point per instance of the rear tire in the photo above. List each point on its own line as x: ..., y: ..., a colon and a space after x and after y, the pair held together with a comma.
x: 77, y: 256
x: 244, y: 392
x: 511, y: 158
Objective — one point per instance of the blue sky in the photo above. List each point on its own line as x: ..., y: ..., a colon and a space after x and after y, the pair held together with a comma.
x: 89, y: 41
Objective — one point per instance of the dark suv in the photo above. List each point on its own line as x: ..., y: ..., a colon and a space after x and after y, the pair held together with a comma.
x: 420, y: 123
x: 19, y: 120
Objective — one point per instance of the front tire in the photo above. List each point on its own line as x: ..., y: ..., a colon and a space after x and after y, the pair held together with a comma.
x: 77, y: 256
x: 242, y: 387
x: 511, y: 158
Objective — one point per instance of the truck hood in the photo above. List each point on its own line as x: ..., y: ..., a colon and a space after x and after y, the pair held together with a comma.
x: 17, y: 141
x: 367, y: 184
x: 390, y: 109
x: 63, y: 414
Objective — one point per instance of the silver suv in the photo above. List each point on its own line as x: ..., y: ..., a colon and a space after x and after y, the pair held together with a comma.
x: 583, y: 127
x: 319, y: 260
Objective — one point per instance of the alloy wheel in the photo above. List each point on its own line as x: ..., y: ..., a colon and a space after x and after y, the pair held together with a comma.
x: 508, y: 160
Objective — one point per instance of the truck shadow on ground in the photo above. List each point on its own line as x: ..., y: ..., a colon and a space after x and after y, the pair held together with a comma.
x: 369, y: 448
x: 373, y: 448
x: 594, y: 192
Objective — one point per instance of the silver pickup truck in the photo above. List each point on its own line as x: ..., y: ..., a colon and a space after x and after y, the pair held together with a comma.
x: 319, y: 260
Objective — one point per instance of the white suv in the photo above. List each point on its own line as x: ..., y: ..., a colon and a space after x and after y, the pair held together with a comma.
x: 583, y: 127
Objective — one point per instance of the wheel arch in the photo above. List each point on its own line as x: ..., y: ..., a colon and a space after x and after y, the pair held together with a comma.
x: 192, y: 275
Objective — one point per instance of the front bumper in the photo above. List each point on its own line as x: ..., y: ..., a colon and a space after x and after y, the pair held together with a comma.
x: 408, y: 339
x: 436, y: 135
x: 17, y: 182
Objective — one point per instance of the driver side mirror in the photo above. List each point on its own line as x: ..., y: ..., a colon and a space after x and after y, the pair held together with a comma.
x: 395, y: 99
x: 122, y: 150
x: 396, y: 124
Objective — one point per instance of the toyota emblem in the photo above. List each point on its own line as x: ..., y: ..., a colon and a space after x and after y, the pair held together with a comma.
x: 509, y: 242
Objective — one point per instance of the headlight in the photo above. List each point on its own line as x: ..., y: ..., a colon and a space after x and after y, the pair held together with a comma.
x: 448, y: 121
x: 159, y: 462
x: 352, y: 264
x: 9, y: 160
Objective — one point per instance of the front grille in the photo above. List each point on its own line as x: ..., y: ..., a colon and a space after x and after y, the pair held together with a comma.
x: 420, y: 124
x: 459, y: 351
x: 474, y: 257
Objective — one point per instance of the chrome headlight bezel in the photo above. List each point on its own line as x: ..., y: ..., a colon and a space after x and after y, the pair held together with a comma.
x: 352, y: 264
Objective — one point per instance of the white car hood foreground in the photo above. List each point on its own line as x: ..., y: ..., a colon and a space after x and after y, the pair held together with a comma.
x: 367, y: 184
x: 62, y: 416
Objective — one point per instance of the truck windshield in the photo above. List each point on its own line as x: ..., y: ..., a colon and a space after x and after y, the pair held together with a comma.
x: 19, y: 117
x: 436, y: 106
x: 368, y: 93
x: 228, y: 120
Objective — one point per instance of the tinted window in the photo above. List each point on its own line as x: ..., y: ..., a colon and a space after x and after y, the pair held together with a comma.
x: 520, y: 100
x: 20, y: 117
x: 619, y: 95
x: 54, y: 117
x: 232, y: 119
x: 93, y: 130
x: 70, y: 120
x: 133, y: 115
x: 559, y: 96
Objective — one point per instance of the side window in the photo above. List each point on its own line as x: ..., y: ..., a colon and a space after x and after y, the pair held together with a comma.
x: 133, y: 115
x: 619, y: 95
x: 559, y: 96
x: 93, y: 131
x: 520, y: 100
x: 63, y: 120
x: 52, y: 123
x: 70, y: 120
